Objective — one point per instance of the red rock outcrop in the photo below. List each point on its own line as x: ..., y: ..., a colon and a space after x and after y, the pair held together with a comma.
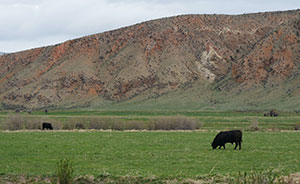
x: 158, y: 56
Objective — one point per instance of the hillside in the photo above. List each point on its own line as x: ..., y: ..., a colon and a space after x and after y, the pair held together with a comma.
x: 1, y: 53
x: 188, y: 62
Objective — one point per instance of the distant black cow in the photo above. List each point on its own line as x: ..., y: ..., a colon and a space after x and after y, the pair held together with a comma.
x: 274, y: 113
x: 233, y: 136
x: 47, y: 126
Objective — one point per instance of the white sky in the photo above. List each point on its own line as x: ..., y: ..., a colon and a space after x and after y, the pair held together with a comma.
x: 28, y: 24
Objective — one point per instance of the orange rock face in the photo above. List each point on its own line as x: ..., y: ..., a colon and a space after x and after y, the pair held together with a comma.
x: 158, y: 56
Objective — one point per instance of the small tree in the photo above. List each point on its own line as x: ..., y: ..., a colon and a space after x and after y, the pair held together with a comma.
x: 64, y: 171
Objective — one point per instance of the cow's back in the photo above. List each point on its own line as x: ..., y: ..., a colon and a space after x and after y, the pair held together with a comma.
x: 46, y: 125
x: 237, y: 135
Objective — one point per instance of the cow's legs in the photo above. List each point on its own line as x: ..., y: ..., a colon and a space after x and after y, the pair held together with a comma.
x: 224, y: 146
x: 240, y: 145
x: 236, y: 144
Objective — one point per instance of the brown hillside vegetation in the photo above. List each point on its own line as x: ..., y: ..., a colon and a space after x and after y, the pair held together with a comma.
x: 223, y: 54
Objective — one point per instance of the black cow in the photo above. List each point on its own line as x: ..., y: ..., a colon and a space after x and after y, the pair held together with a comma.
x: 47, y: 126
x: 274, y: 113
x: 266, y: 114
x: 233, y: 136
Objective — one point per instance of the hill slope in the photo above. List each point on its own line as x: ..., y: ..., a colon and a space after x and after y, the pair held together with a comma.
x: 237, y: 62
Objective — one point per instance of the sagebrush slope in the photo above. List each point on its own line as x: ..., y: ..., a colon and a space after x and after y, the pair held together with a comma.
x: 218, y: 61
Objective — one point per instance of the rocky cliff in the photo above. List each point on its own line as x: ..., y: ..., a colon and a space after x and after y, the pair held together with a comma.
x: 219, y: 55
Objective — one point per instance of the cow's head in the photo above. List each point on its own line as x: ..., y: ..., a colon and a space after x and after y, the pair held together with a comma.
x: 214, y: 145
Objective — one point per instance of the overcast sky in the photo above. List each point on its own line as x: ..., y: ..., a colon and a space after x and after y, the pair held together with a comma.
x: 28, y: 24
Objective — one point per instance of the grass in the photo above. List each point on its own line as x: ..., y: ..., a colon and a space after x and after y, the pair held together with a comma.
x: 139, y: 156
x: 146, y: 154
x: 225, y: 96
x: 210, y: 120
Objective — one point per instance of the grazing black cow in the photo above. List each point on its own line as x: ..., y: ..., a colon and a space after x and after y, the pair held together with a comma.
x: 274, y: 113
x: 233, y: 136
x: 47, y: 126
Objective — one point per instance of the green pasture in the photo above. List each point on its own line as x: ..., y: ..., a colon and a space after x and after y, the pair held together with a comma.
x: 210, y: 120
x: 146, y: 154
x: 269, y: 143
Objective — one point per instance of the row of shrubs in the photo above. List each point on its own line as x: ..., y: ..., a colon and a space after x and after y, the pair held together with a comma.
x: 21, y: 122
x: 254, y: 126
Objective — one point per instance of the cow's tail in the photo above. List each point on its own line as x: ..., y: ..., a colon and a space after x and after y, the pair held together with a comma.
x: 241, y: 136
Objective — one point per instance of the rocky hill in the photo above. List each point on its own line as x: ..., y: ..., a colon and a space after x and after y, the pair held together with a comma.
x: 240, y: 62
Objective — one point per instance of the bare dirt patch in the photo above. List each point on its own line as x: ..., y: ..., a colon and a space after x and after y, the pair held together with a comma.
x: 292, y: 178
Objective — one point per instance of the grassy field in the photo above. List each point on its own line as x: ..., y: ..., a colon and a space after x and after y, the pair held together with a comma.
x: 160, y: 154
x: 210, y: 120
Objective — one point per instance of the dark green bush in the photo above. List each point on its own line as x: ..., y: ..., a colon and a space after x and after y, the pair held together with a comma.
x: 65, y: 172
